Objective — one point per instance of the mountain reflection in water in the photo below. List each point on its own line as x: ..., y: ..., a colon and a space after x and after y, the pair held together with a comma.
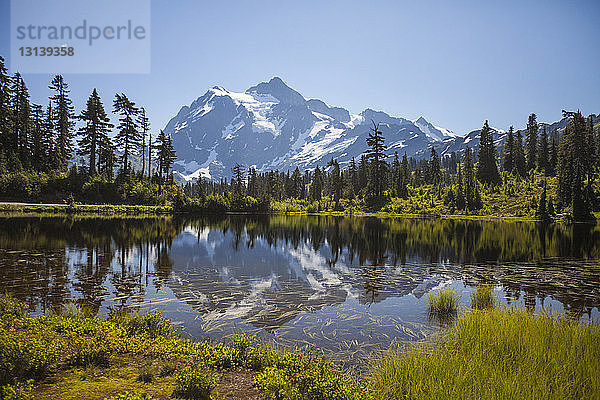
x: 343, y: 284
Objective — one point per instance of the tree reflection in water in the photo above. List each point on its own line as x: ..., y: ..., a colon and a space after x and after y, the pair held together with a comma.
x: 271, y: 272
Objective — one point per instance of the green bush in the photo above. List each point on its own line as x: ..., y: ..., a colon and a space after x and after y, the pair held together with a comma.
x: 17, y: 391
x: 11, y: 308
x: 135, y: 323
x: 303, y: 377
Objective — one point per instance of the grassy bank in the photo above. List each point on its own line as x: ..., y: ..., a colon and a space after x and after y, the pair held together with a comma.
x: 73, y: 355
x: 498, y: 353
x: 98, y: 209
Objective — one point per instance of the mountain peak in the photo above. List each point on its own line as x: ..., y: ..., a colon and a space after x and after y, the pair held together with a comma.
x: 277, y: 88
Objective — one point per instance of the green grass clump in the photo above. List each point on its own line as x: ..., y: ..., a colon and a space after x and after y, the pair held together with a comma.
x: 483, y: 298
x: 194, y: 383
x: 443, y: 302
x: 146, y: 373
x: 499, y: 354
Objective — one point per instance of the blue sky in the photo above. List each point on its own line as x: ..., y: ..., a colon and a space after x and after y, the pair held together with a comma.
x: 456, y: 63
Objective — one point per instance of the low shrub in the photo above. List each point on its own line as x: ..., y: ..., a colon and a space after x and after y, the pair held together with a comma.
x: 11, y: 308
x: 136, y: 323
x: 194, y: 383
x: 17, y: 391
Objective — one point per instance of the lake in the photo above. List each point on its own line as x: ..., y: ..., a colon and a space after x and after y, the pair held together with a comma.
x: 346, y: 286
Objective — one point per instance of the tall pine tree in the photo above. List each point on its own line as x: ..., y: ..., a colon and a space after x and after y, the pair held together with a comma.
x: 21, y: 110
x: 435, y: 169
x: 487, y: 169
x: 532, y: 132
x: 144, y: 124
x: 128, y: 138
x: 508, y: 165
x: 572, y: 166
x: 378, y: 166
x: 543, y: 156
x: 519, y: 154
x: 94, y: 132
x: 62, y: 117
x: 5, y: 109
x: 165, y: 154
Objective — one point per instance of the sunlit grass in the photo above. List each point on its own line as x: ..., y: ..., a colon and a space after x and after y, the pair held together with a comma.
x: 443, y: 301
x: 483, y: 297
x: 499, y: 354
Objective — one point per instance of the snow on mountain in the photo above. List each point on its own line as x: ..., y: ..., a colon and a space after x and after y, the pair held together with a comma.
x: 272, y: 126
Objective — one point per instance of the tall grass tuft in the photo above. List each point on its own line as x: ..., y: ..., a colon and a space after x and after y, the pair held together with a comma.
x: 500, y: 354
x: 483, y: 298
x: 444, y: 302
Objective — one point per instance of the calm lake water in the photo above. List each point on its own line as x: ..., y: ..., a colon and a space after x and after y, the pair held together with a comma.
x: 346, y: 286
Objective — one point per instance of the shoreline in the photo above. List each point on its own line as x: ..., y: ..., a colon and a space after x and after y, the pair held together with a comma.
x: 8, y: 209
x: 136, y: 355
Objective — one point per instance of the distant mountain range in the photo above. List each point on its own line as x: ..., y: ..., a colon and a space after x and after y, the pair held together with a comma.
x: 272, y: 126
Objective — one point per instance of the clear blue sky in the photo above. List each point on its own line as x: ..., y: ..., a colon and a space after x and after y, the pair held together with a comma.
x: 455, y: 62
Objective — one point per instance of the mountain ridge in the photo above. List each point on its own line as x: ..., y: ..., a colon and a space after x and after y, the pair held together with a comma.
x: 272, y: 126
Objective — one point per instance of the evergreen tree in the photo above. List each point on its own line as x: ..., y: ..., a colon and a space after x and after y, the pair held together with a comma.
x: 237, y: 181
x: 592, y: 149
x: 316, y: 187
x: 354, y: 177
x: 165, y: 154
x: 252, y: 182
x: 107, y: 159
x: 487, y: 169
x: 21, y: 111
x: 363, y: 173
x: 144, y: 124
x: 519, y: 155
x: 434, y: 170
x: 5, y: 108
x: 572, y: 166
x: 532, y: 131
x: 471, y: 192
x: 395, y: 175
x: 553, y: 161
x: 63, y: 114
x: 94, y: 133
x: 334, y: 180
x: 509, y: 148
x: 378, y: 166
x: 543, y: 156
x: 297, y: 184
x: 128, y: 138
x: 404, y: 177
x: 541, y: 213
x: 459, y: 197
x: 38, y: 150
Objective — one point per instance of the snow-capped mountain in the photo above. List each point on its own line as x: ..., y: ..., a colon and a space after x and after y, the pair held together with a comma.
x: 272, y: 126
